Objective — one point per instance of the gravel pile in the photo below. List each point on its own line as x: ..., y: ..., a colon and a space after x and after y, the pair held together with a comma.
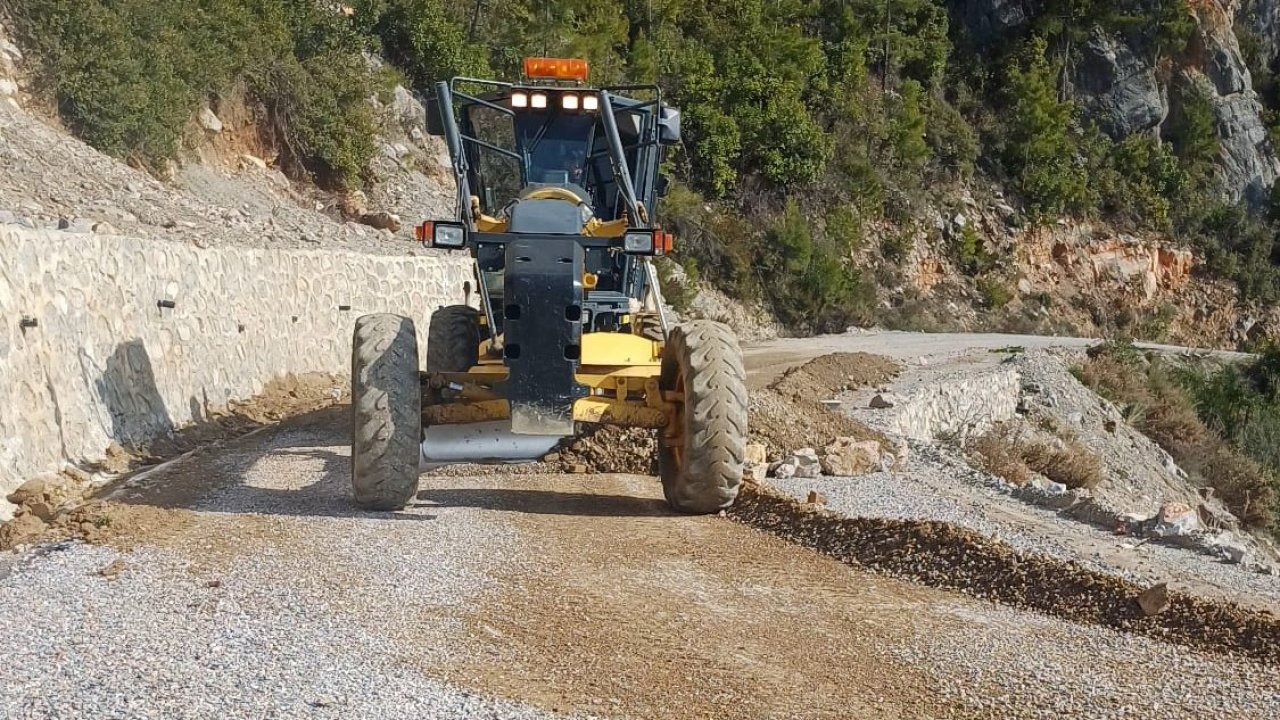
x: 946, y: 556
x: 938, y: 485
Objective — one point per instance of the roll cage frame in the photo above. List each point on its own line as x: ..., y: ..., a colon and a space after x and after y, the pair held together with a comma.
x: 638, y: 187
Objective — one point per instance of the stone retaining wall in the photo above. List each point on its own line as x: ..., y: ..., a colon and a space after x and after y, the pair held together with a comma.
x: 960, y: 404
x: 111, y: 339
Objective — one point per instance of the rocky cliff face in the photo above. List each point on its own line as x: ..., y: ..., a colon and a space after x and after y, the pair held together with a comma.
x: 1126, y: 92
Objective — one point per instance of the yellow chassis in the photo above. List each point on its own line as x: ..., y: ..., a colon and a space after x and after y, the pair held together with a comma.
x: 622, y: 372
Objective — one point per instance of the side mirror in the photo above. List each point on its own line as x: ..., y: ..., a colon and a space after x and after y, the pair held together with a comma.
x: 669, y: 126
x: 435, y: 122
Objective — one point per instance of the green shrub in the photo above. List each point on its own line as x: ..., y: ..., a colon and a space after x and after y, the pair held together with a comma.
x: 994, y: 293
x: 128, y: 75
x: 1041, y: 150
x: 968, y: 251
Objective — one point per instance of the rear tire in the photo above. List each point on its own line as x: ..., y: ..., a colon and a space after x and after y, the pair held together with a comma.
x: 701, y: 454
x: 386, y: 408
x: 453, y: 339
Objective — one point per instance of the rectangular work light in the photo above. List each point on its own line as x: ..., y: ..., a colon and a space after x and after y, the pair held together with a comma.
x: 446, y: 235
x: 648, y: 242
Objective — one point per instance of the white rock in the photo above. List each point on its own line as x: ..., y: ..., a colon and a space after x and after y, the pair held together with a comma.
x: 8, y: 87
x: 809, y: 471
x: 407, y: 109
x: 1047, y: 486
x: 210, y: 121
x: 11, y: 50
x: 1232, y: 550
x: 805, y: 456
x: 247, y: 160
x: 1176, y: 520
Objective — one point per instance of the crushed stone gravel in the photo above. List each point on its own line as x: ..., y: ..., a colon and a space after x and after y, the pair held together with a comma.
x: 282, y: 601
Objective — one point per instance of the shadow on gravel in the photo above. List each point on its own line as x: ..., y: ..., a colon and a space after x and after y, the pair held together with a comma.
x: 291, y: 469
x: 545, y: 502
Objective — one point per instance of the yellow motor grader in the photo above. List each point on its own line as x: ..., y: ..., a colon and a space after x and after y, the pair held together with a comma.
x: 557, y: 186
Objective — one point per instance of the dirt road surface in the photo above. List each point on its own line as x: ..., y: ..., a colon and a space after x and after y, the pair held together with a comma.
x: 768, y: 359
x: 244, y: 585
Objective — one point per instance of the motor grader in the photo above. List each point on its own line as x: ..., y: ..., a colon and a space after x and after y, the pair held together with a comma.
x: 556, y: 191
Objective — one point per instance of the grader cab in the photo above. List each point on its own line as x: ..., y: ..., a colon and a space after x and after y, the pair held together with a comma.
x: 557, y: 185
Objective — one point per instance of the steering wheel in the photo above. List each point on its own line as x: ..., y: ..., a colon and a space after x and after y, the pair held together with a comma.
x: 556, y: 193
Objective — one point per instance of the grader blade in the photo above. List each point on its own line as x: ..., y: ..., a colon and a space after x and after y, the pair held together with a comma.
x: 479, y: 443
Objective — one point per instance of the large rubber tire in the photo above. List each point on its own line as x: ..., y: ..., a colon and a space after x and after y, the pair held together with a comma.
x: 386, y: 409
x: 453, y: 339
x: 701, y: 472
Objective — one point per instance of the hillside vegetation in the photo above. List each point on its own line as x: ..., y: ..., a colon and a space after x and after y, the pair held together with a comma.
x: 808, y: 122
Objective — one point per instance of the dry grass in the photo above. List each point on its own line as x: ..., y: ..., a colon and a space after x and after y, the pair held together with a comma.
x: 1242, y: 484
x: 1072, y: 464
x: 998, y: 453
x: 1154, y: 402
x: 1007, y: 454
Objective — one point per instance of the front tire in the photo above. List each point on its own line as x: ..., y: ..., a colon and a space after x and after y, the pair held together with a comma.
x: 386, y: 409
x: 700, y: 454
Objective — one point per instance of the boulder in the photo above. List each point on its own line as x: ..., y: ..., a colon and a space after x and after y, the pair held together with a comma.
x: 809, y: 471
x: 755, y: 453
x: 30, y: 490
x: 354, y: 204
x: 883, y: 401
x: 783, y: 470
x: 847, y: 457
x: 247, y: 161
x: 1176, y: 520
x: 1231, y: 549
x: 1154, y: 599
x: 382, y: 220
x: 23, y: 529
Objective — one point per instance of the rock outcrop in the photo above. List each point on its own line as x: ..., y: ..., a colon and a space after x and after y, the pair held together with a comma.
x: 1122, y: 89
x: 1119, y: 88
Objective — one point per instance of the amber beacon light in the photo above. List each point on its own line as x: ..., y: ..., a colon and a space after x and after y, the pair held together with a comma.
x: 540, y: 68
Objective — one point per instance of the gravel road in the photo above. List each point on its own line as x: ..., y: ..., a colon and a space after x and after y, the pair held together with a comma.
x: 256, y: 591
x: 766, y: 360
